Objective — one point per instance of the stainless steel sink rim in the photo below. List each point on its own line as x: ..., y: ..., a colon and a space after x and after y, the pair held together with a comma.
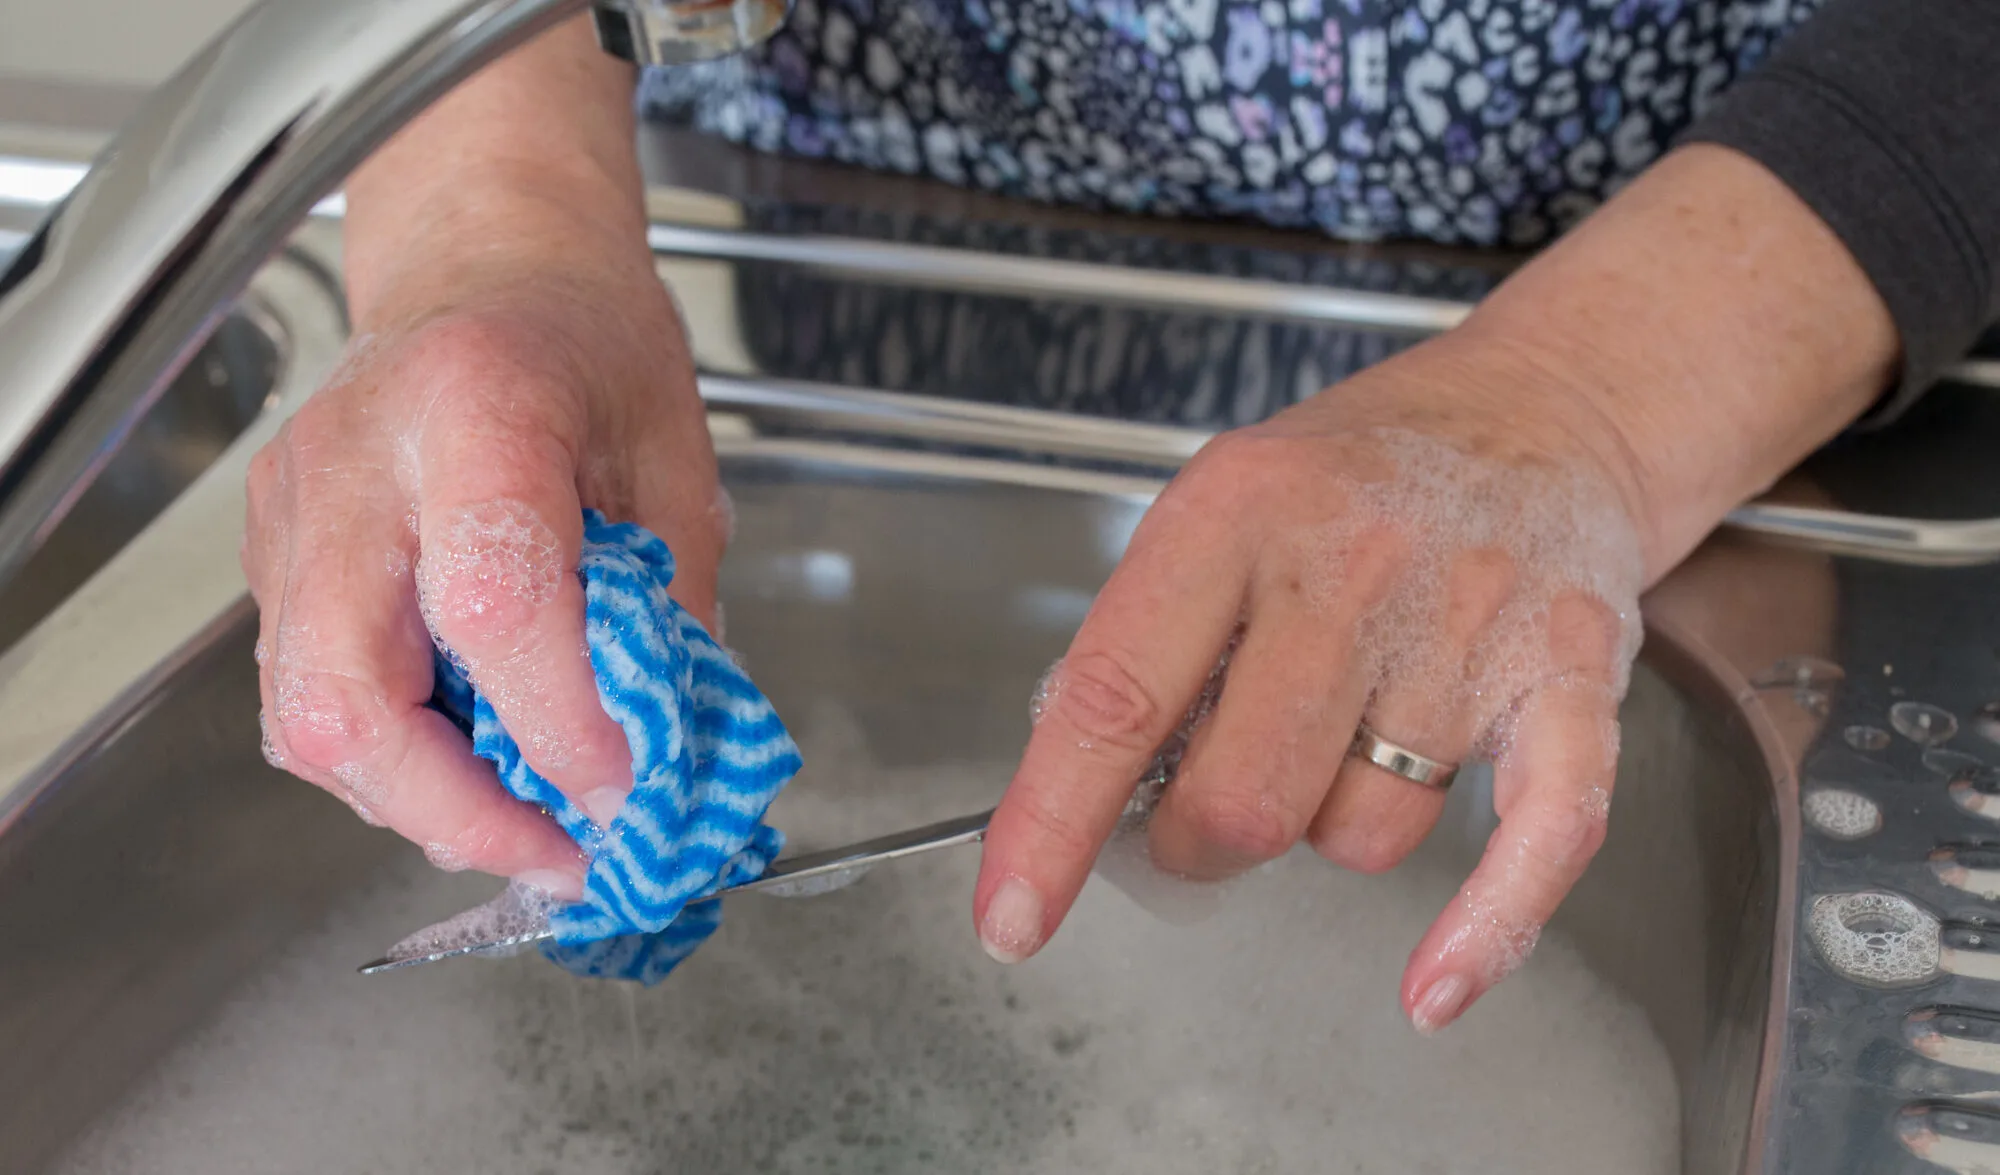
x: 1915, y: 541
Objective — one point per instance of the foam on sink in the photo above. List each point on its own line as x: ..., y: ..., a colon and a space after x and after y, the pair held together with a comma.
x: 865, y: 1030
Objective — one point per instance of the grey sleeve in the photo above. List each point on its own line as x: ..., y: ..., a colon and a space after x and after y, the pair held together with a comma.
x: 1884, y: 116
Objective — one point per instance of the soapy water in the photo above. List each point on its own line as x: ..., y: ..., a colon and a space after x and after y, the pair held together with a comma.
x: 1875, y: 938
x: 1840, y: 813
x: 866, y: 1031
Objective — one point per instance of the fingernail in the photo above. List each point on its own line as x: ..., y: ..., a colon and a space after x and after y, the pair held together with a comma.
x: 567, y: 886
x: 603, y: 805
x: 1013, y: 926
x: 1440, y: 1005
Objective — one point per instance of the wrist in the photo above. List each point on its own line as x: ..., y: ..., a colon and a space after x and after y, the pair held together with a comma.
x: 502, y: 248
x: 529, y: 166
x: 1709, y: 326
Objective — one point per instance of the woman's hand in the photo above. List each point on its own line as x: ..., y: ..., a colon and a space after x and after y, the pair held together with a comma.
x: 1441, y: 549
x: 436, y: 486
x: 516, y: 359
x: 1449, y: 549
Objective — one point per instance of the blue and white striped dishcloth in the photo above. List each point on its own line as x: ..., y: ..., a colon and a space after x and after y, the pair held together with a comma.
x: 708, y: 756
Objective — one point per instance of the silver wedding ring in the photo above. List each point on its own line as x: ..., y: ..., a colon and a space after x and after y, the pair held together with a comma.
x: 1401, y: 761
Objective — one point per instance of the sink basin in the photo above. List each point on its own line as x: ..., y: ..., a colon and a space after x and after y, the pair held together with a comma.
x: 183, y: 924
x: 213, y: 400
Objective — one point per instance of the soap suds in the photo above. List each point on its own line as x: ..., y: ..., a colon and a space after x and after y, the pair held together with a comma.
x: 1840, y: 813
x: 1499, y: 942
x: 1874, y: 938
x: 489, y: 558
x: 1563, y: 536
x: 518, y: 913
x: 445, y: 857
x: 864, y: 1031
x: 362, y: 783
x: 492, y: 564
x: 267, y: 743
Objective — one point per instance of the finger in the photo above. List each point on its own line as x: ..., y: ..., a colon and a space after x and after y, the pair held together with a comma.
x: 1552, y: 790
x: 1147, y: 646
x: 263, y: 551
x: 1374, y: 818
x: 1261, y: 766
x: 501, y: 530
x: 350, y: 667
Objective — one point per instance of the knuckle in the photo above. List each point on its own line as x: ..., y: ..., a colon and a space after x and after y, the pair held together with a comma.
x: 473, y: 606
x: 1105, y: 701
x: 474, y: 847
x: 1049, y: 829
x: 1481, y: 583
x: 326, y: 726
x: 477, y: 365
x: 1246, y: 467
x: 1583, y: 633
x: 320, y: 428
x: 1243, y: 823
x: 487, y: 570
x: 1564, y: 839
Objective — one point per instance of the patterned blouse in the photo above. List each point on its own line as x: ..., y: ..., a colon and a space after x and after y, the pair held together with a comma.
x: 1479, y: 122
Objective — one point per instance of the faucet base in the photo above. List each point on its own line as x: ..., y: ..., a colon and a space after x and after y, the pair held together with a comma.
x: 676, y: 32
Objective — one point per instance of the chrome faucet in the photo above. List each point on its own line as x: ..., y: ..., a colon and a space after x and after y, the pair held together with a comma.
x: 132, y: 271
x: 673, y: 32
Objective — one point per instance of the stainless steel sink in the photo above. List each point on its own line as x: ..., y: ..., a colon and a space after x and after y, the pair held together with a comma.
x: 181, y: 922
x: 213, y: 400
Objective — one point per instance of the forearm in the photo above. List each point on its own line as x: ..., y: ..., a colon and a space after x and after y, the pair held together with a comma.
x: 1717, y: 329
x: 526, y: 168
